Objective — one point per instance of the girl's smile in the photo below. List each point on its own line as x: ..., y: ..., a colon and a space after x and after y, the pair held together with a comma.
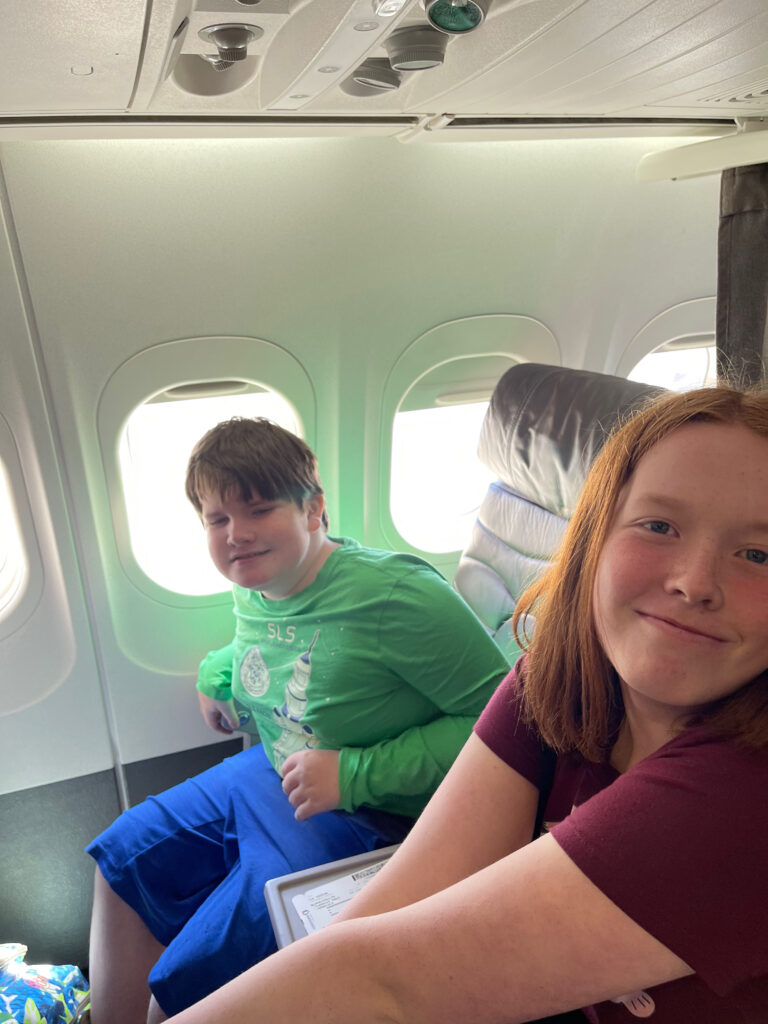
x: 679, y: 630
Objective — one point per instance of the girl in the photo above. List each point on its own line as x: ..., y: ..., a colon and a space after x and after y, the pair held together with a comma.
x: 637, y: 727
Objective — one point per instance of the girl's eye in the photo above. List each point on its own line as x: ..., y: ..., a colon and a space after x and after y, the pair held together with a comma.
x: 756, y: 555
x: 657, y: 526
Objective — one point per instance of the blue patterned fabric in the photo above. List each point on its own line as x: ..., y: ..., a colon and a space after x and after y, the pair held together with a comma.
x: 37, y: 994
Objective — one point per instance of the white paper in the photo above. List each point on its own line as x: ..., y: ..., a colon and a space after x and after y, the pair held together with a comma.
x: 316, y: 907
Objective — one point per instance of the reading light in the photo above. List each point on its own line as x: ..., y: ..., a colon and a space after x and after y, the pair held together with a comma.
x: 456, y: 17
x: 388, y: 8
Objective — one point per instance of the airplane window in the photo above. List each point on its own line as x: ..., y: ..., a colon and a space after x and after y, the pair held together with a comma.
x: 678, y: 366
x: 14, y: 570
x: 437, y: 480
x: 165, y: 532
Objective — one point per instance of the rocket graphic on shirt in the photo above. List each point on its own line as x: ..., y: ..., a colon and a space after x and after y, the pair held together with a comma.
x: 294, y: 735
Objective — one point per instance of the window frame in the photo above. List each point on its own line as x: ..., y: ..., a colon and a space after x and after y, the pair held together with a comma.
x: 694, y: 319
x: 517, y: 337
x: 21, y: 607
x: 203, y: 360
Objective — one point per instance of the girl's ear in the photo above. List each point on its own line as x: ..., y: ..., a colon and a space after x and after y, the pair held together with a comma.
x: 315, y: 507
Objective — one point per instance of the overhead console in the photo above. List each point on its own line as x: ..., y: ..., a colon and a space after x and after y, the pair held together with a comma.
x: 449, y: 69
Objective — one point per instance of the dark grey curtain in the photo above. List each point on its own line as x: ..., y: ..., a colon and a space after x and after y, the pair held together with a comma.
x: 742, y: 274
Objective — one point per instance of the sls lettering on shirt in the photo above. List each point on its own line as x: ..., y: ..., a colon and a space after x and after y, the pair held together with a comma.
x: 287, y: 635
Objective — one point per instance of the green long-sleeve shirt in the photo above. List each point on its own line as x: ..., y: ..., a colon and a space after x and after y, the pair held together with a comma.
x: 378, y: 658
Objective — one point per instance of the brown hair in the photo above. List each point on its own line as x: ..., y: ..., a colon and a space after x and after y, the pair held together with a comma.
x: 252, y: 455
x: 571, y: 690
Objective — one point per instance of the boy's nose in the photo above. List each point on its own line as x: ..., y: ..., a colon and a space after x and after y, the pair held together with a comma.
x: 240, y: 531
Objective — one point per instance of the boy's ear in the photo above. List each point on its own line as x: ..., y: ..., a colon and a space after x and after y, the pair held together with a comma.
x: 315, y: 506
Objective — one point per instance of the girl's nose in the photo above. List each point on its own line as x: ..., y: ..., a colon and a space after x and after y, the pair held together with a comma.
x: 695, y: 576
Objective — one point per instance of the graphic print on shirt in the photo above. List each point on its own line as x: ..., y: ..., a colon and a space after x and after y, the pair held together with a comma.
x: 294, y: 735
x: 254, y: 674
x: 639, y: 1004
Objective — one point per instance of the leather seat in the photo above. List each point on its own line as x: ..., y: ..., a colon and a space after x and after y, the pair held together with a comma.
x: 543, y: 428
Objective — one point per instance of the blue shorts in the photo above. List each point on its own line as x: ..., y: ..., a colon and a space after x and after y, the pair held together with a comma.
x: 192, y: 863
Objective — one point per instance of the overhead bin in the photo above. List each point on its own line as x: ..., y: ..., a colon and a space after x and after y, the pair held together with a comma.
x: 79, y: 56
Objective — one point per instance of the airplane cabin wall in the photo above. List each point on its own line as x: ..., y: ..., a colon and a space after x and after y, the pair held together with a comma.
x: 330, y: 259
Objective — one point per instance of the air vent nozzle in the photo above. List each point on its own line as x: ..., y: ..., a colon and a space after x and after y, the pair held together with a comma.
x: 231, y: 41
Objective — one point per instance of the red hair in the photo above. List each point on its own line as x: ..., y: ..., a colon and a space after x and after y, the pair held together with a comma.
x: 571, y: 690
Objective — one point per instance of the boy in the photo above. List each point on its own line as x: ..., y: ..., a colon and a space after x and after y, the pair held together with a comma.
x: 363, y: 672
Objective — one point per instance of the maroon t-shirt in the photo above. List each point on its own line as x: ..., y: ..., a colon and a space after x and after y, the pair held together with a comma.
x: 679, y: 843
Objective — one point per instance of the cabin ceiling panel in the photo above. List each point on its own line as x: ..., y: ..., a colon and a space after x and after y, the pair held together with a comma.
x: 69, y: 56
x: 600, y: 60
x: 139, y: 226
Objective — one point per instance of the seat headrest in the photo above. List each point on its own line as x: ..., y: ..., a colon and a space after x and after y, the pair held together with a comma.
x: 545, y: 424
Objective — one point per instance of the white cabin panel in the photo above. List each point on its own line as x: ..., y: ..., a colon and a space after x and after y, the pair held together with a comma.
x: 341, y: 254
x: 52, y: 715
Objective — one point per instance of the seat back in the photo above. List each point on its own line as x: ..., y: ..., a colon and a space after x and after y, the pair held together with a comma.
x: 543, y: 428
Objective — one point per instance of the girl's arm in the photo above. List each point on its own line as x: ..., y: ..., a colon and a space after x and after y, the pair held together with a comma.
x: 524, y: 937
x: 482, y: 811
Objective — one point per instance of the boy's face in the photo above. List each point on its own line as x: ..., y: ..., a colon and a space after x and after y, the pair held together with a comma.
x: 262, y: 545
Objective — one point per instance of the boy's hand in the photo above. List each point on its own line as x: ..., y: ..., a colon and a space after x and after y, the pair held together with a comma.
x: 311, y: 782
x: 217, y: 713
